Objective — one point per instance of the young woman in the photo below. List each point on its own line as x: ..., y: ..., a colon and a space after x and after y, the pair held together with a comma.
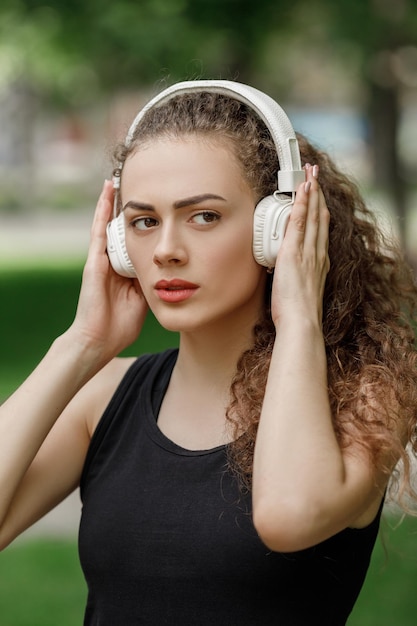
x: 239, y: 479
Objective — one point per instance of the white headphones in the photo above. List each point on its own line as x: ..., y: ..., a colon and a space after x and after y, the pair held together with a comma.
x: 272, y: 213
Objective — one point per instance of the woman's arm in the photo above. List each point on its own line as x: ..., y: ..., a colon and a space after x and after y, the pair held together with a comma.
x: 305, y: 488
x: 110, y: 315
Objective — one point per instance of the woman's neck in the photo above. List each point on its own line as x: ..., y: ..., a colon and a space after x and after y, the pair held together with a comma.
x: 193, y: 413
x: 210, y: 356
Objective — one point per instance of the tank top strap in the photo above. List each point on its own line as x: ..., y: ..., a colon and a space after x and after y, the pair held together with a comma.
x: 137, y: 377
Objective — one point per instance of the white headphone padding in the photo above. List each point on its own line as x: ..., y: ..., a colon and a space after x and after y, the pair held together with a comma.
x: 116, y: 248
x: 270, y: 221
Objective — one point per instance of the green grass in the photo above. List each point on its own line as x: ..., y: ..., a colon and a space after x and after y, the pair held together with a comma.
x: 388, y: 597
x: 41, y: 584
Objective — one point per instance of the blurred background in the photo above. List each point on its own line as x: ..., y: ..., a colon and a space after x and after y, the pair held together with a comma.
x: 72, y: 76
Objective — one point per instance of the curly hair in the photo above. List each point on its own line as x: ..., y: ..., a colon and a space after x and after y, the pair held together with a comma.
x: 369, y: 301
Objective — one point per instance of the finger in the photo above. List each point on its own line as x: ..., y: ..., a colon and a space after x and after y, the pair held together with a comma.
x: 102, y: 210
x: 323, y: 232
x: 313, y: 214
x: 295, y: 232
x: 102, y: 215
x: 318, y: 211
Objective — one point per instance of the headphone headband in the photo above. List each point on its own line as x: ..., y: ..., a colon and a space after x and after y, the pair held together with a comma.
x: 290, y: 174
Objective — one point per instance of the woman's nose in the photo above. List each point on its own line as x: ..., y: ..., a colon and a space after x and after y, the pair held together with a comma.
x: 170, y: 248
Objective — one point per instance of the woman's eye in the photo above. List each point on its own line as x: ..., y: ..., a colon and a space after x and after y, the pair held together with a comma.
x: 205, y: 217
x: 144, y: 223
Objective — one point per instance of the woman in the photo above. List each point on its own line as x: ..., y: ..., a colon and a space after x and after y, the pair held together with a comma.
x: 240, y: 479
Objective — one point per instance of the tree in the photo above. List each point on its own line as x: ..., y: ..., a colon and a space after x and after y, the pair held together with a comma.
x: 385, y: 32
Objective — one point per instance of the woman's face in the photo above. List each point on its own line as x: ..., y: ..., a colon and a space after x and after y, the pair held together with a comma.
x: 189, y: 223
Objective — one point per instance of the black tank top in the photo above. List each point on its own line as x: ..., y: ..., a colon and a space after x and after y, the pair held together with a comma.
x: 166, y: 536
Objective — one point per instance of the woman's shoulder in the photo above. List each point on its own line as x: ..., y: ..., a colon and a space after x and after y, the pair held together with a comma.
x: 97, y: 393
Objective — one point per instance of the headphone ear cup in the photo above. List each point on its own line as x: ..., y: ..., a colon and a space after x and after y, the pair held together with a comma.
x: 269, y: 225
x: 116, y: 248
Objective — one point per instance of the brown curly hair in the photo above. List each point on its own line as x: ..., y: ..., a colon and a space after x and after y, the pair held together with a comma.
x: 369, y: 301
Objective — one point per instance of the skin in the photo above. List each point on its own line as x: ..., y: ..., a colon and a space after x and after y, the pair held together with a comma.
x: 305, y: 488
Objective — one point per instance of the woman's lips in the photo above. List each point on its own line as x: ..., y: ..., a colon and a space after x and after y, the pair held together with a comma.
x: 175, y: 290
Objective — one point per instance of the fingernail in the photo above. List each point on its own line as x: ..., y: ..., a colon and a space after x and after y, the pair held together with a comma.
x: 315, y: 171
x: 307, y: 186
x: 307, y: 166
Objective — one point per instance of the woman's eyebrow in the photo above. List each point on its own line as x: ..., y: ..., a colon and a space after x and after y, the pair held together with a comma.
x: 179, y: 204
x: 138, y: 206
x: 197, y: 200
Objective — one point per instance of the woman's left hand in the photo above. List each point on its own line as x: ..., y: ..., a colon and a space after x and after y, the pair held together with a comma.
x: 303, y: 260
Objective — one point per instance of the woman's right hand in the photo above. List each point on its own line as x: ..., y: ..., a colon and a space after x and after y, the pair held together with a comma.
x: 111, y: 309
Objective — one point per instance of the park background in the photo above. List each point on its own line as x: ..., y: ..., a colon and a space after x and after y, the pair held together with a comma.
x: 72, y: 76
